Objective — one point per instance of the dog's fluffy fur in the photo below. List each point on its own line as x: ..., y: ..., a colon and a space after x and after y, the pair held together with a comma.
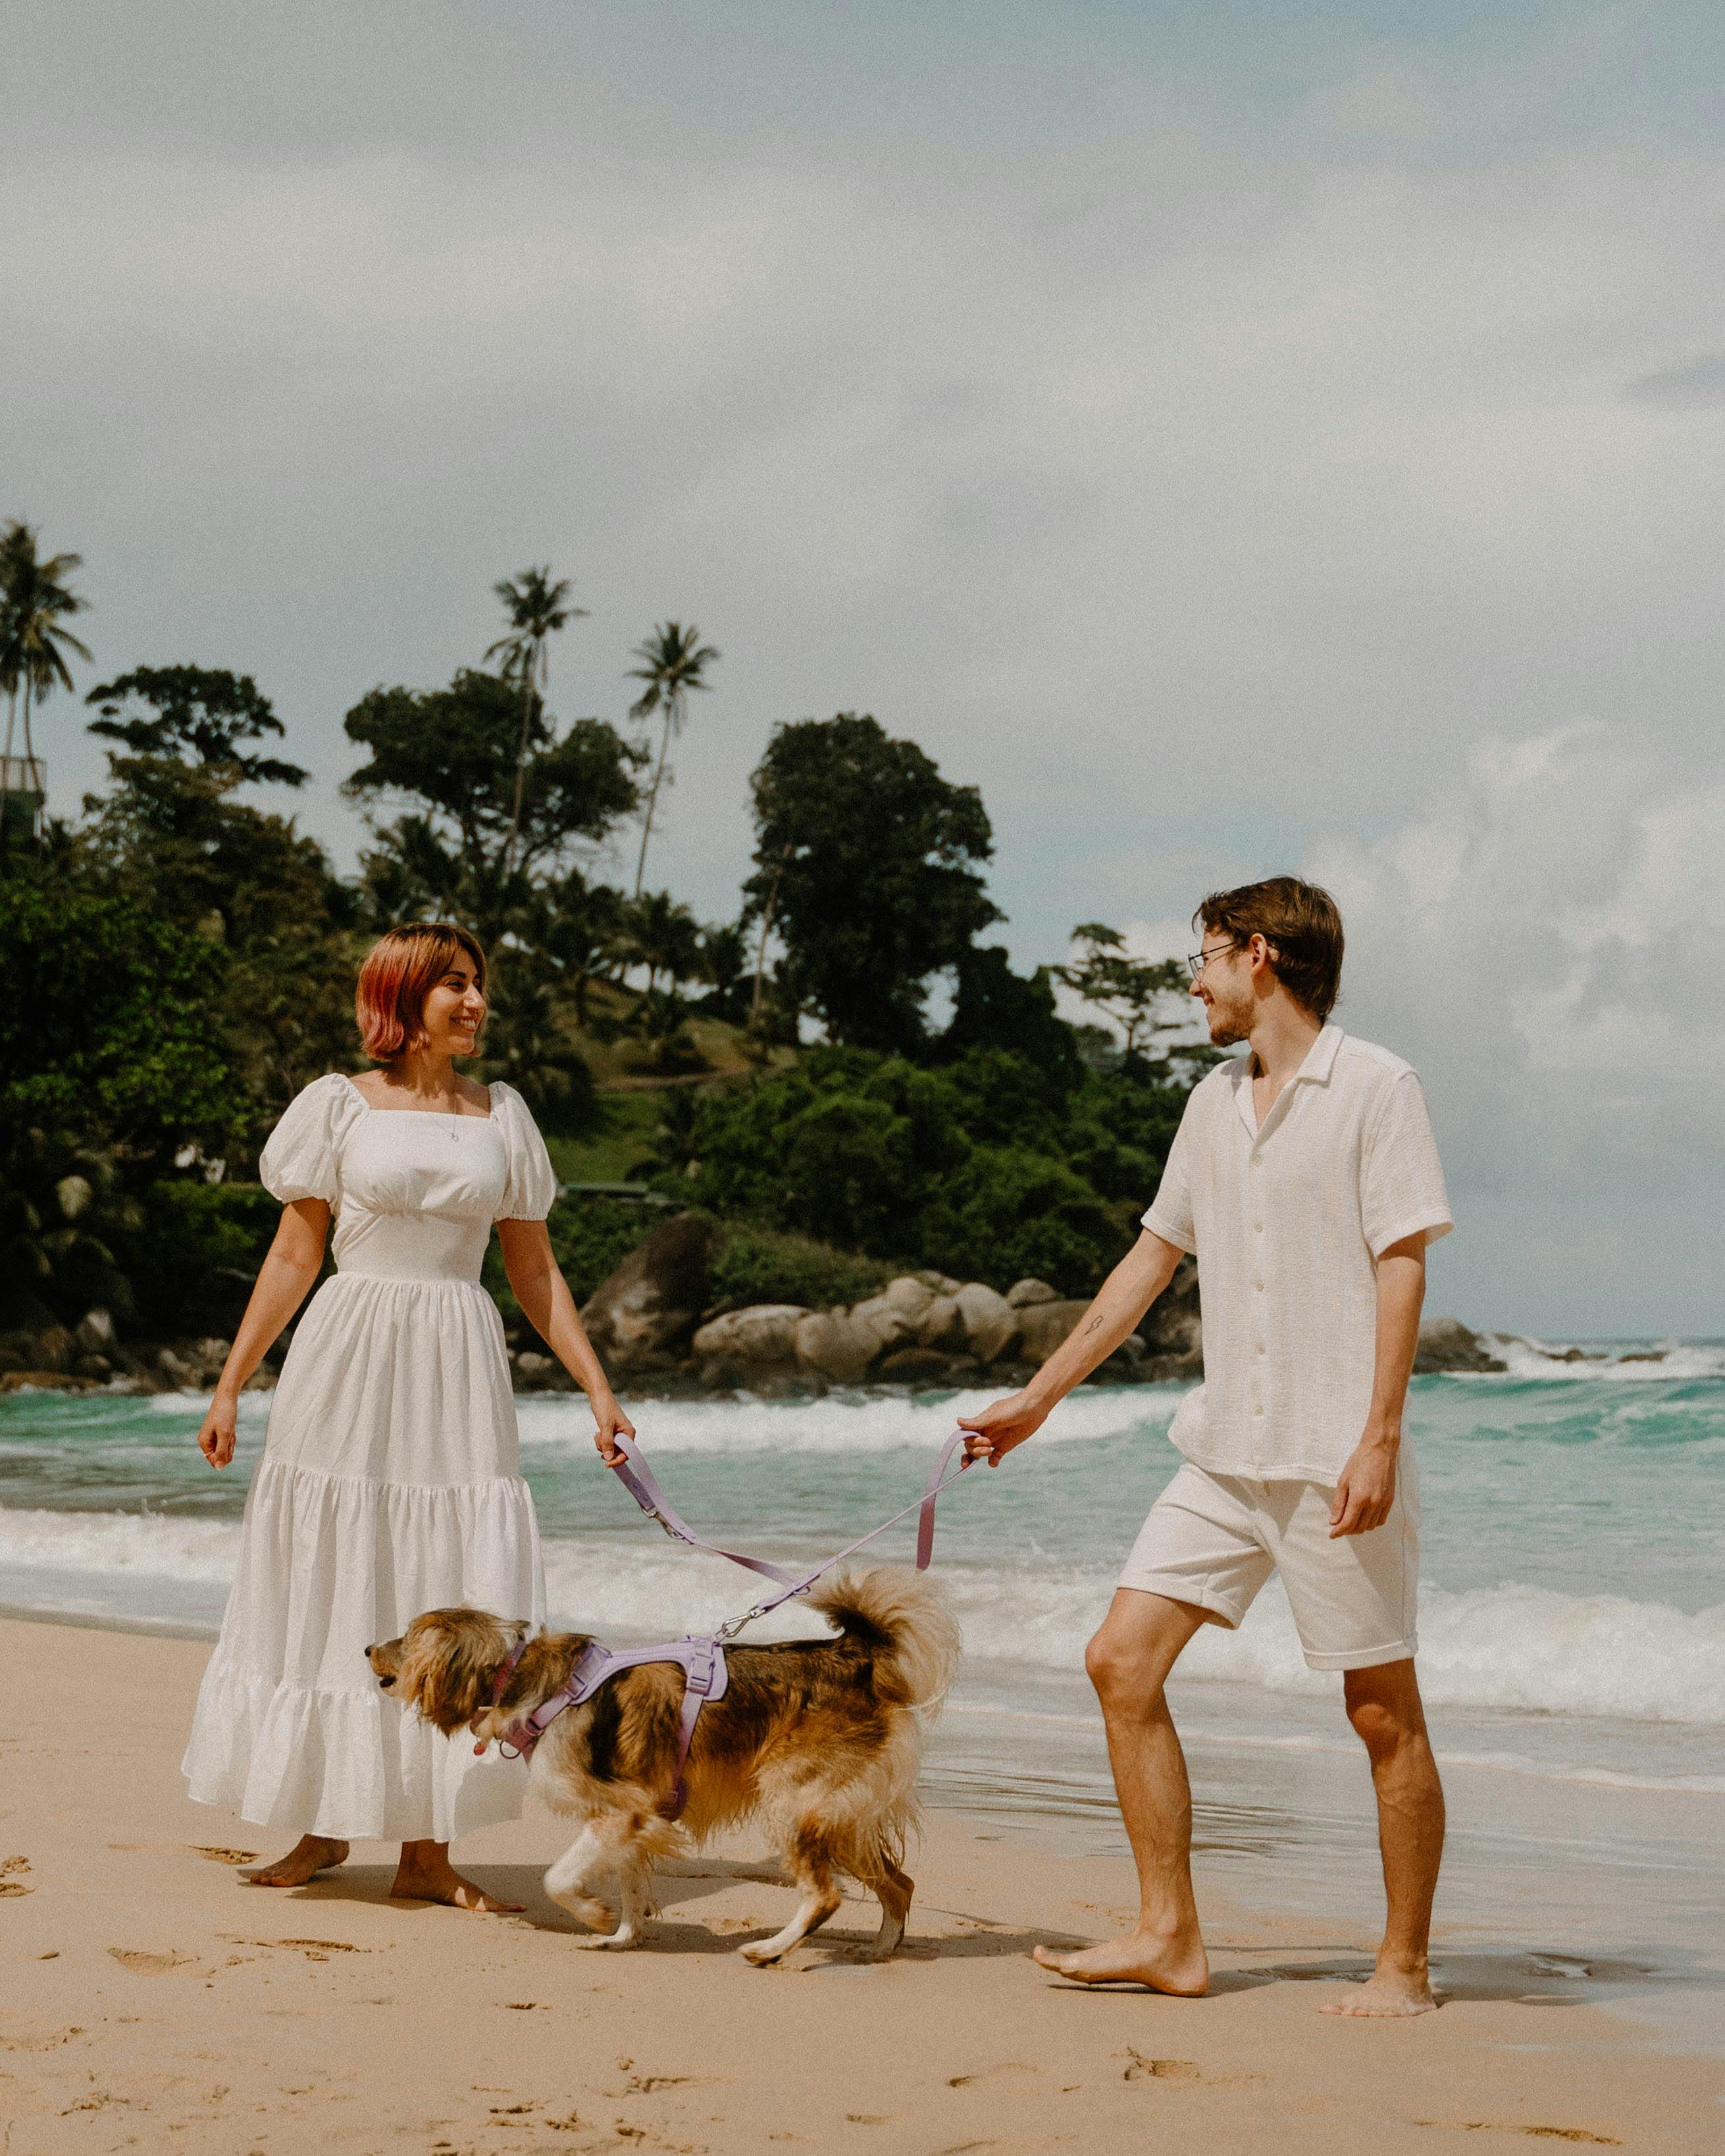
x: 821, y: 1737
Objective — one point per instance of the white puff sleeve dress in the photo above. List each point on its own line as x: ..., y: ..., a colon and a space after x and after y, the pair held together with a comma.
x: 390, y: 1482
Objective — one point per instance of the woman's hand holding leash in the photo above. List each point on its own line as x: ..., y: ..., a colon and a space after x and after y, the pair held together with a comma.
x: 609, y: 1423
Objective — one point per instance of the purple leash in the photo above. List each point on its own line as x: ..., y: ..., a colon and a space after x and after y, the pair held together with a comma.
x: 701, y: 1656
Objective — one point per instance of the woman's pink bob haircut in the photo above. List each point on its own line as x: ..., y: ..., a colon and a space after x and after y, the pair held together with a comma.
x: 400, y: 973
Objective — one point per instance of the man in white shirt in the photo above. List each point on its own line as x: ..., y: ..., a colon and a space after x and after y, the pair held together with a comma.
x: 1305, y: 1176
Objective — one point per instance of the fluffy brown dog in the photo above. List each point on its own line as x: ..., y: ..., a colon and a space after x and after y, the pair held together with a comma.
x: 822, y: 1737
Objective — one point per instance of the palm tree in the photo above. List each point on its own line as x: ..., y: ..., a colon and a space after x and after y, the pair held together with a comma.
x: 672, y: 661
x: 537, y: 608
x: 34, y: 599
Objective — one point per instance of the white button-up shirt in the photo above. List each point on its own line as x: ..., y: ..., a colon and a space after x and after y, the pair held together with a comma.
x: 1288, y: 1221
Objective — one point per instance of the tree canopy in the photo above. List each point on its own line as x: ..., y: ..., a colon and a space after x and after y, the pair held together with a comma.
x: 453, y: 752
x: 862, y: 869
x: 209, y: 713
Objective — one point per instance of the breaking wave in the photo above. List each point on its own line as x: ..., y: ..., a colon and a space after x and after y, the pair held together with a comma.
x: 1516, y: 1647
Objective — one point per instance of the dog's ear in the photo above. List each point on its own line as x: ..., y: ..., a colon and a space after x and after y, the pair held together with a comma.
x: 452, y: 1656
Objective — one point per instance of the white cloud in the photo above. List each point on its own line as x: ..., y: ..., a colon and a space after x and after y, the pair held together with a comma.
x: 1535, y: 943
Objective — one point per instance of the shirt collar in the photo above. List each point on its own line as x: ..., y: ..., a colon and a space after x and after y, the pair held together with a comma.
x: 1321, y: 1057
x: 1317, y: 1068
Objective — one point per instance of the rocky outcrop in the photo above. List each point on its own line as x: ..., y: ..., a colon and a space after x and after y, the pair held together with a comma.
x: 1446, y: 1344
x: 651, y: 1304
x: 1024, y: 1293
x: 1043, y: 1326
x: 991, y: 1324
x: 1173, y: 1330
x: 91, y: 1356
x: 764, y: 1333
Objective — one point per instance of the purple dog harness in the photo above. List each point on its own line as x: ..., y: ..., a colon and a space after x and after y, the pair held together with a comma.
x: 700, y: 1655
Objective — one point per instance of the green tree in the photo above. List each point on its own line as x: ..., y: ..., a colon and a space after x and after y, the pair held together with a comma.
x: 724, y: 967
x: 537, y: 609
x: 260, y: 894
x: 460, y: 849
x: 995, y: 1008
x: 1134, y: 993
x: 658, y: 933
x: 35, y: 602
x: 462, y: 854
x: 863, y: 852
x: 194, y: 713
x: 673, y: 661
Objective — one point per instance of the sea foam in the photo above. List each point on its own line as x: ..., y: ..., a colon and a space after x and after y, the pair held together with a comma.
x: 1511, y: 1646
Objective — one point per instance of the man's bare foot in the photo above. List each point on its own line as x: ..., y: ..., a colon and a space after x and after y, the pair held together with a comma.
x: 1177, y: 1966
x: 1391, y: 1992
x: 428, y: 1880
x: 311, y: 1854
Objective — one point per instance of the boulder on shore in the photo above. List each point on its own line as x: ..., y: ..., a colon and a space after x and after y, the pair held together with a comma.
x: 1043, y: 1326
x: 831, y: 1345
x: 762, y: 1332
x: 1022, y: 1294
x: 1174, y: 1328
x: 1446, y: 1343
x: 650, y: 1304
x: 991, y: 1324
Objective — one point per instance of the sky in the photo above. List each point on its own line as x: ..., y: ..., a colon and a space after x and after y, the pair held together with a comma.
x: 1235, y: 437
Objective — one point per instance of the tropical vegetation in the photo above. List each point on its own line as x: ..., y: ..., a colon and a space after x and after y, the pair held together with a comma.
x: 845, y: 1075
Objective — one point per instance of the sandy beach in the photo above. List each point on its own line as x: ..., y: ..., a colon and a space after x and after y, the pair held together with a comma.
x: 152, y: 2001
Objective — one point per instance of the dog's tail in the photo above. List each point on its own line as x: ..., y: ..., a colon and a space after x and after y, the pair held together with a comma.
x: 903, y: 1617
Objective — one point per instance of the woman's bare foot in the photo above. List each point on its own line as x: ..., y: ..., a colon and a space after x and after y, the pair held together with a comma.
x: 1176, y: 1965
x: 426, y: 1874
x: 311, y: 1854
x: 1393, y: 1991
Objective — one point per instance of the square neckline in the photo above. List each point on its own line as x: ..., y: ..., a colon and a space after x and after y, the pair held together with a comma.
x: 443, y: 1115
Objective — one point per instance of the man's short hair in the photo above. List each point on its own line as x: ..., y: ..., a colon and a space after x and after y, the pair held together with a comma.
x: 1302, y: 925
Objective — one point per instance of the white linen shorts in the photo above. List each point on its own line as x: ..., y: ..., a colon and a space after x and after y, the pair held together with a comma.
x: 1212, y: 1540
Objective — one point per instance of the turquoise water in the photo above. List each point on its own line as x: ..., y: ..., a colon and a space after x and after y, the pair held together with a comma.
x: 1572, y: 1622
x: 1574, y: 1538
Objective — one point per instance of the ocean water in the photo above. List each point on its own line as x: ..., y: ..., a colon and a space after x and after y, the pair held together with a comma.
x: 1572, y: 1618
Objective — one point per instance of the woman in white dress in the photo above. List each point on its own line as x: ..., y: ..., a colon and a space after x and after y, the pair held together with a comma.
x: 390, y: 1481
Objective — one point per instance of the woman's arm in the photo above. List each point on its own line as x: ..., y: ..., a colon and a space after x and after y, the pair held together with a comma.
x: 549, y: 1308
x: 284, y: 1278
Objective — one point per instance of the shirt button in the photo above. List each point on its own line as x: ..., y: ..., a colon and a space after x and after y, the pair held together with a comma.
x: 1259, y: 1285
x: 1259, y: 1225
x: 1257, y: 1410
x: 1261, y: 1347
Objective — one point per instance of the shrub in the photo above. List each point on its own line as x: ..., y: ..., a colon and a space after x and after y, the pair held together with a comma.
x: 194, y: 1256
x: 754, y: 1264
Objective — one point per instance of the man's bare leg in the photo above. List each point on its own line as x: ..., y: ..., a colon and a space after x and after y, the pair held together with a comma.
x: 1384, y: 1706
x: 426, y: 1874
x: 1129, y: 1662
x: 311, y: 1854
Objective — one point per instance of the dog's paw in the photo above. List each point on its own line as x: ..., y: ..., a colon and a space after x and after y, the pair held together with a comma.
x: 762, y: 1953
x: 624, y: 1937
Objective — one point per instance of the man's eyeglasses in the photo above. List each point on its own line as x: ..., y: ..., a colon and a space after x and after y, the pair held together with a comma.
x: 1197, y: 960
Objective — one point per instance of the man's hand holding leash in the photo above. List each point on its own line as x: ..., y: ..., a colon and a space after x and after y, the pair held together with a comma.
x: 1119, y: 1306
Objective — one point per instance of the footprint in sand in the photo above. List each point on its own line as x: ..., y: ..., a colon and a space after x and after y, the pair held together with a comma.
x: 14, y: 1871
x: 41, y: 2040
x: 1533, y: 2133
x: 223, y: 1855
x: 149, y: 1964
x: 991, y: 2073
x: 1141, y: 2069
